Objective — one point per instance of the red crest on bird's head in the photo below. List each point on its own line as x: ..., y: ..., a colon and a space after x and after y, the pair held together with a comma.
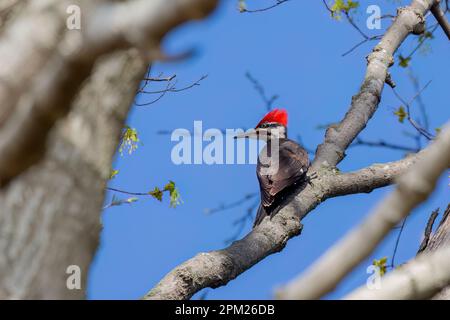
x: 275, y: 116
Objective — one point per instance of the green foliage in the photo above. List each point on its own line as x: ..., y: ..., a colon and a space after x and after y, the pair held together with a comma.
x: 175, y: 198
x: 113, y: 174
x: 340, y: 6
x: 403, y: 62
x: 401, y: 114
x: 131, y: 200
x: 381, y: 264
x: 130, y: 140
x: 437, y: 130
x: 156, y: 193
x: 425, y: 35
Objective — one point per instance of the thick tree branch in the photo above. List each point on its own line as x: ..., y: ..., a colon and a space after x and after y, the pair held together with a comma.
x: 51, y: 62
x: 441, y: 239
x: 375, y: 176
x: 364, y: 104
x: 420, y: 278
x: 50, y: 215
x: 217, y: 268
x: 412, y: 189
x: 441, y: 19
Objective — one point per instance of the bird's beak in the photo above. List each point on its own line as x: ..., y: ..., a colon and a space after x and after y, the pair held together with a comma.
x: 251, y: 134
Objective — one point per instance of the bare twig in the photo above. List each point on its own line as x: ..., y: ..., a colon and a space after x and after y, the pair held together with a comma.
x: 242, y: 222
x: 170, y: 87
x: 423, y: 131
x: 128, y: 192
x: 381, y: 143
x: 232, y: 205
x: 161, y: 79
x: 397, y: 242
x: 416, y: 84
x: 261, y: 91
x: 216, y: 268
x: 355, y: 26
x: 378, y: 37
x: 243, y: 9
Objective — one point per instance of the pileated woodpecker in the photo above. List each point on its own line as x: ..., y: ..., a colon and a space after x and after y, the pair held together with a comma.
x: 282, y: 163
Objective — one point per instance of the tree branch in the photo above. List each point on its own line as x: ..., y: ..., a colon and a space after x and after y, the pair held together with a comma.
x: 441, y: 19
x: 365, y: 103
x: 216, y: 268
x: 59, y: 201
x: 55, y: 67
x: 412, y: 189
x: 420, y: 278
x: 428, y: 230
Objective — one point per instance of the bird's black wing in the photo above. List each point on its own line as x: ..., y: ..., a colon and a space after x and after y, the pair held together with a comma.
x: 293, y: 164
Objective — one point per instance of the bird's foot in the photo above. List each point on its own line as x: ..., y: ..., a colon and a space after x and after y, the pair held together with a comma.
x: 311, y: 177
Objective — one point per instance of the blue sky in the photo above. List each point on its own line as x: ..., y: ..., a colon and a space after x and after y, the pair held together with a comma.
x: 295, y: 51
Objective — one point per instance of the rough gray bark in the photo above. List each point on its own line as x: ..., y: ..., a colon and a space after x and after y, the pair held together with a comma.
x: 412, y: 188
x: 49, y: 218
x: 51, y: 62
x: 441, y: 239
x: 65, y: 96
x: 217, y: 268
x: 420, y: 278
x: 364, y: 104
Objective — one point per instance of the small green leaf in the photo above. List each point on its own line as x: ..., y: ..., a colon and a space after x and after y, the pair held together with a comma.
x: 404, y: 62
x: 342, y: 6
x: 156, y: 193
x: 425, y: 35
x: 169, y: 187
x: 131, y: 200
x: 381, y: 264
x: 437, y: 130
x: 175, y: 198
x: 401, y: 114
x: 130, y: 140
x: 113, y: 174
